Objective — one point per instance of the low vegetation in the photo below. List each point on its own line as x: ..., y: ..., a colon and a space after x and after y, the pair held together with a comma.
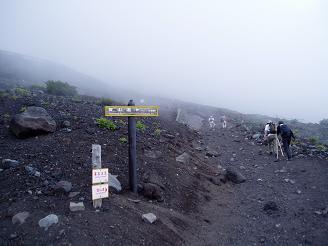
x: 157, y: 132
x: 106, y: 124
x: 21, y: 92
x: 123, y: 140
x: 141, y: 126
x: 59, y: 88
x: 104, y: 101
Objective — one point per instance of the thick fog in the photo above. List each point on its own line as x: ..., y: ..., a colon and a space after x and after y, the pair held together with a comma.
x: 268, y: 57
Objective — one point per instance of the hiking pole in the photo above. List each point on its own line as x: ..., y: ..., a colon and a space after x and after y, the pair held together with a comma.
x: 282, y: 153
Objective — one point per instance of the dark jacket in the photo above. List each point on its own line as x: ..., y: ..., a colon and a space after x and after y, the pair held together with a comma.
x: 285, y: 131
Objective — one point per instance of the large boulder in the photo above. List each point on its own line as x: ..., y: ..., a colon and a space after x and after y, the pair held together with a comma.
x: 32, y: 122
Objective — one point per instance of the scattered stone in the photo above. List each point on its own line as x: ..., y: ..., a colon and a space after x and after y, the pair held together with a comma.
x: 169, y: 136
x: 283, y: 170
x: 76, y: 206
x: 152, y: 191
x: 73, y: 194
x: 153, y: 154
x: 290, y: 181
x: 212, y: 153
x: 134, y: 200
x: 184, y: 158
x: 66, y: 124
x: 31, y: 170
x: 149, y: 218
x: 199, y: 148
x: 8, y: 163
x: 20, y: 218
x: 270, y: 207
x: 48, y: 221
x: 63, y: 186
x: 114, y: 182
x: 234, y: 176
x: 256, y: 136
x: 298, y: 191
x: 32, y: 122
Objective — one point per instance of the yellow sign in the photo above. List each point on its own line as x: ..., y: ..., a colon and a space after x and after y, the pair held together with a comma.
x: 143, y: 111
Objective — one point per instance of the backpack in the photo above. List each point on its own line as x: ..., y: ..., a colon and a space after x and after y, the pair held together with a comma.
x: 284, y: 130
x: 272, y: 128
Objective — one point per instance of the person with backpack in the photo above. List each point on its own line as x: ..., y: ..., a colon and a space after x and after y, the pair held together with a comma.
x: 270, y: 136
x: 286, y: 136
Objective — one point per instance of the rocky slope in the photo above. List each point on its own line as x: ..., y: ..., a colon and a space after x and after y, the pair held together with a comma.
x: 185, y: 170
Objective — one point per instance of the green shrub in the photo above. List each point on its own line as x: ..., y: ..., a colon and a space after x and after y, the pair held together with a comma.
x: 107, y: 124
x: 4, y: 94
x: 104, y: 101
x: 140, y: 126
x: 123, y: 140
x: 60, y: 88
x: 21, y: 92
x: 313, y: 140
x: 321, y: 147
x: 157, y: 132
x: 23, y: 109
x: 41, y: 87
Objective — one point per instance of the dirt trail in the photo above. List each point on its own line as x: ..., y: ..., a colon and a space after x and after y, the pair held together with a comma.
x: 236, y: 215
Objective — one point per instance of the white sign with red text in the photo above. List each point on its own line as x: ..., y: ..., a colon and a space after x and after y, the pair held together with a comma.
x: 99, y: 191
x: 99, y: 175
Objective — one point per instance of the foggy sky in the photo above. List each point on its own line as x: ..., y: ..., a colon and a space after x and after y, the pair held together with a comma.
x: 254, y: 56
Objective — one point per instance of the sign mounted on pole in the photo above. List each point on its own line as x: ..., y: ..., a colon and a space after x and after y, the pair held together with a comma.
x: 99, y: 176
x: 143, y: 111
x: 99, y: 191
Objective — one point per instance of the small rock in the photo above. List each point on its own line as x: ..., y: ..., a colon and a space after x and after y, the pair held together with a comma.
x: 73, y: 194
x: 63, y: 186
x: 149, y: 218
x: 20, y: 218
x: 184, y: 158
x: 30, y: 170
x: 170, y: 136
x: 256, y: 136
x: 8, y: 163
x: 114, y: 182
x: 48, y: 221
x: 212, y: 153
x: 234, y: 176
x: 270, y: 206
x: 66, y: 124
x: 76, y: 206
x: 298, y: 192
x: 152, y: 191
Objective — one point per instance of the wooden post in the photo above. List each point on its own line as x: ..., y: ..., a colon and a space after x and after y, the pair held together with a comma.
x: 96, y: 164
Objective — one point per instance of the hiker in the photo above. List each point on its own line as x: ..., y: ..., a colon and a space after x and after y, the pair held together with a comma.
x: 270, y: 135
x: 286, y: 135
x: 211, y: 121
x: 224, y: 121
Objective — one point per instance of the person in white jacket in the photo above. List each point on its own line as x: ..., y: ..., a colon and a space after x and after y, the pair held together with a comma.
x: 211, y: 121
x: 270, y: 135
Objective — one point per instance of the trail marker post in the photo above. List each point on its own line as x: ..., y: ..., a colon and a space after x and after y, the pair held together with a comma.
x: 132, y: 111
x: 99, y: 177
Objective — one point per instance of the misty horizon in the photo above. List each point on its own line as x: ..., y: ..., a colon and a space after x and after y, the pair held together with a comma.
x: 257, y: 57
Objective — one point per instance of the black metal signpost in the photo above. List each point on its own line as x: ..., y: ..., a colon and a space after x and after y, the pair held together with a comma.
x: 132, y: 111
x: 132, y: 151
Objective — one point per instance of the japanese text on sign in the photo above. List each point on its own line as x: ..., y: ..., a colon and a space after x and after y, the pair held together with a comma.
x: 99, y: 191
x: 131, y: 111
x: 99, y: 176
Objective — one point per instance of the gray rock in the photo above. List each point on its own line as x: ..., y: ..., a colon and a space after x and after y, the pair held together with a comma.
x: 73, y: 194
x: 257, y: 136
x: 184, y: 158
x: 48, y: 221
x: 153, y: 154
x: 63, y: 186
x: 32, y: 122
x: 8, y: 163
x: 270, y: 207
x: 66, y: 124
x: 20, y: 218
x: 169, y: 136
x: 114, y: 182
x: 152, y: 191
x: 76, y: 206
x: 212, y: 153
x: 234, y: 176
x: 31, y: 170
x: 149, y: 218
